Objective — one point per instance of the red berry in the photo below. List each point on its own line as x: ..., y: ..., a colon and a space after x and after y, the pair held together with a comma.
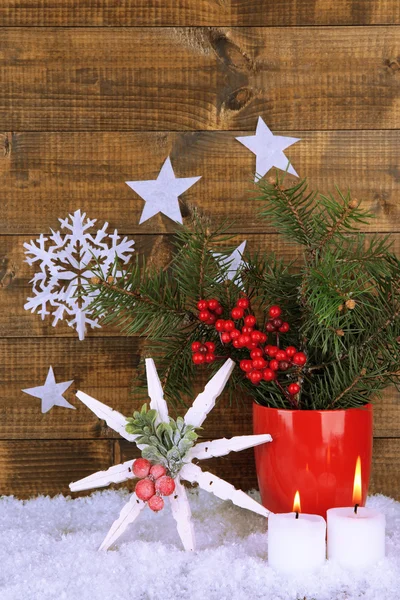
x: 247, y: 329
x: 211, y: 320
x: 158, y: 471
x: 212, y: 304
x: 165, y: 485
x: 252, y: 345
x: 263, y: 337
x: 237, y: 313
x: 271, y: 350
x: 156, y: 503
x: 250, y: 320
x: 235, y: 334
x: 246, y: 365
x: 281, y: 355
x: 225, y: 337
x: 229, y: 325
x: 284, y: 328
x: 259, y: 363
x: 141, y: 467
x: 269, y: 375
x: 299, y: 359
x: 196, y: 346
x: 243, y: 303
x: 293, y: 388
x: 256, y: 353
x: 256, y: 336
x: 210, y: 346
x: 274, y: 365
x: 204, y: 315
x: 255, y: 377
x: 277, y: 323
x: 283, y: 365
x: 202, y: 304
x: 236, y: 343
x: 270, y: 327
x: 145, y: 489
x: 210, y: 357
x: 219, y: 310
x: 275, y: 311
x: 220, y: 325
x: 198, y: 358
x: 244, y: 339
x: 290, y: 351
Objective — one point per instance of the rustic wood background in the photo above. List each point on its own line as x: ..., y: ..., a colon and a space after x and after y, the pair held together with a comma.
x: 96, y: 92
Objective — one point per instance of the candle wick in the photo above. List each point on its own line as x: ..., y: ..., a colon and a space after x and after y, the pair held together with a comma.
x: 297, y: 515
x: 355, y: 509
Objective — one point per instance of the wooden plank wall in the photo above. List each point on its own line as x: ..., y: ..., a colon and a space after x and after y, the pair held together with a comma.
x: 95, y: 92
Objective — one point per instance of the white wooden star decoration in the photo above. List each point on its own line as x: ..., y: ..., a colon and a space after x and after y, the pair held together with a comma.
x: 190, y: 472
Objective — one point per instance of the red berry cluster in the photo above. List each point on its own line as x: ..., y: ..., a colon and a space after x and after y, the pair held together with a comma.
x: 259, y: 368
x: 275, y: 323
x: 203, y: 353
x: 265, y: 361
x: 246, y: 336
x: 209, y: 310
x: 154, y: 483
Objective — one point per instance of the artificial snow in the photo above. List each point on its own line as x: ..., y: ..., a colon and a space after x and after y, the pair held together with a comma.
x: 48, y: 551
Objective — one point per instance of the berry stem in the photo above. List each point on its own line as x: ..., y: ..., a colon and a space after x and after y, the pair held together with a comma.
x: 291, y: 399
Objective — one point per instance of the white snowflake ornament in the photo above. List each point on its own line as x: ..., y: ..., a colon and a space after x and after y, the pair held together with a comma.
x: 67, y: 260
x: 186, y: 470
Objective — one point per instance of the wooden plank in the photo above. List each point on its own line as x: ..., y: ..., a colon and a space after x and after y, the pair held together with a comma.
x: 103, y: 367
x: 45, y: 176
x: 239, y: 468
x: 30, y: 468
x: 106, y: 368
x: 386, y: 468
x: 126, y: 13
x: 15, y: 288
x: 199, y: 78
x: 16, y: 274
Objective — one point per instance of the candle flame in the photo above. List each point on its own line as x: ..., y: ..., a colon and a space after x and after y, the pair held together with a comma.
x: 296, y: 503
x: 357, y: 489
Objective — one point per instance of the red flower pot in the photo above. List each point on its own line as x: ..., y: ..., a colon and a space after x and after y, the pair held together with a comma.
x: 314, y: 452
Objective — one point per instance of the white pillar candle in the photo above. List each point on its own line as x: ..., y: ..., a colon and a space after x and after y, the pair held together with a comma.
x: 355, y: 540
x: 296, y: 544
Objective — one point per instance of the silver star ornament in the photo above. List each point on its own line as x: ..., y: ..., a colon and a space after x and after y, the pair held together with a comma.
x: 268, y: 149
x: 161, y: 194
x: 51, y: 393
